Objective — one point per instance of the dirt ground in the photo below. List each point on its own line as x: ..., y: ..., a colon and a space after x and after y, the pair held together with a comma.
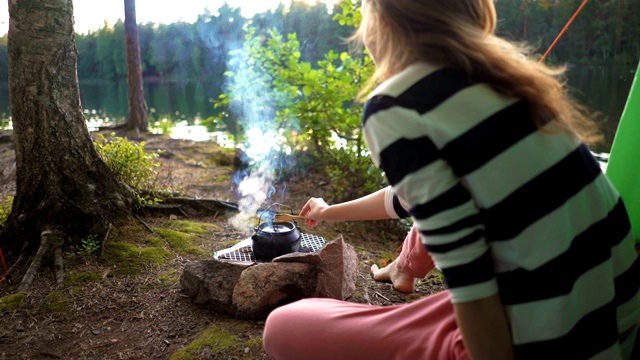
x: 147, y: 316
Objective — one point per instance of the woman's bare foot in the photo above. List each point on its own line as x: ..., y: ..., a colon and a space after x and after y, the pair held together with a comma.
x: 394, y: 273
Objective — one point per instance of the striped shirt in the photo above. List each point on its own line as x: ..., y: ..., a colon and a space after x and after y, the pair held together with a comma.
x: 504, y: 207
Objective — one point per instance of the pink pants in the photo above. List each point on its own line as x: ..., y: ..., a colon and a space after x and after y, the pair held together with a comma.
x: 332, y: 329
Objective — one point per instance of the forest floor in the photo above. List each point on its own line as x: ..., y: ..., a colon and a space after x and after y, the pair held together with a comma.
x: 130, y: 305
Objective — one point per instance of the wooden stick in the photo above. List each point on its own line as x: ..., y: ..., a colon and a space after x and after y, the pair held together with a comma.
x: 288, y: 217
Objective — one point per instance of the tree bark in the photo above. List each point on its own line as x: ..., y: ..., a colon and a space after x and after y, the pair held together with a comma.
x: 137, y: 117
x: 62, y: 184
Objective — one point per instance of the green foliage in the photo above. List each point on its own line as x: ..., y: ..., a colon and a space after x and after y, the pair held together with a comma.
x: 163, y: 126
x: 5, y: 210
x: 131, y: 164
x: 314, y: 104
x: 89, y: 246
x: 351, y: 15
x: 605, y: 31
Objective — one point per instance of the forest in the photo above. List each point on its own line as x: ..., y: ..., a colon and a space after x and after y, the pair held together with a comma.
x: 604, y: 32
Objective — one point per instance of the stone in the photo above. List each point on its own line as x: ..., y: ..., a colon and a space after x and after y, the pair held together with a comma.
x: 210, y: 284
x: 253, y: 291
x: 337, y: 264
x: 263, y: 287
x: 338, y: 270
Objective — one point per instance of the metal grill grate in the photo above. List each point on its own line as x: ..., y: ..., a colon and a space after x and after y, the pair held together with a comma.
x: 242, y: 251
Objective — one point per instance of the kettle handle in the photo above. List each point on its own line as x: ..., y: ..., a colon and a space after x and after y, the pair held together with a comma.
x: 268, y: 210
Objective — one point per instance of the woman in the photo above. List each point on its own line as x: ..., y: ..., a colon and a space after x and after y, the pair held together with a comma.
x: 485, y: 147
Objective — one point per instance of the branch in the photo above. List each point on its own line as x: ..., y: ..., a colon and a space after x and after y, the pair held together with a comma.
x: 104, y: 240
x: 28, y: 277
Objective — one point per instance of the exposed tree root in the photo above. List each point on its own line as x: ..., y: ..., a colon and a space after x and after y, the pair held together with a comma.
x: 190, y: 207
x: 58, y: 266
x: 49, y: 239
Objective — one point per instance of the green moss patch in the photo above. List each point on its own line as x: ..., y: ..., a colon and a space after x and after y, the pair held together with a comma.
x: 172, y: 276
x: 181, y: 242
x: 215, y: 342
x: 154, y: 241
x: 57, y: 301
x: 12, y: 301
x: 80, y: 278
x: 132, y: 260
x: 191, y: 227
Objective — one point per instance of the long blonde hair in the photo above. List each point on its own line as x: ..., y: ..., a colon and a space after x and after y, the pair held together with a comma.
x: 461, y: 34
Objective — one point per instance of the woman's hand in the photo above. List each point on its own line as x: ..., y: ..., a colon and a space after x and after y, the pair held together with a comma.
x: 313, y: 210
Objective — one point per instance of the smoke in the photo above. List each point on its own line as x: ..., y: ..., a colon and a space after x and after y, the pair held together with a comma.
x: 252, y: 102
x: 255, y: 187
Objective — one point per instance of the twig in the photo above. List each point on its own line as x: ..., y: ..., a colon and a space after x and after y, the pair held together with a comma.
x: 144, y: 224
x: 104, y: 240
x: 366, y: 295
x: 382, y: 296
x: 183, y: 212
x: 150, y: 229
x: 288, y: 217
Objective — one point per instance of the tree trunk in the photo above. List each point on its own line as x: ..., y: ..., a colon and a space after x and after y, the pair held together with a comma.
x: 137, y: 117
x: 63, y: 186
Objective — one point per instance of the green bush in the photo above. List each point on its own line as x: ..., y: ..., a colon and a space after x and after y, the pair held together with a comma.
x: 5, y: 210
x: 131, y: 164
x: 313, y: 107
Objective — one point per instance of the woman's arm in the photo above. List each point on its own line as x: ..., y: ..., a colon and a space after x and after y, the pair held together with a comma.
x: 369, y: 207
x: 485, y: 330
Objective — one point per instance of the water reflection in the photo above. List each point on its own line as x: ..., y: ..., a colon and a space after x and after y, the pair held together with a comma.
x: 603, y: 89
x: 185, y: 104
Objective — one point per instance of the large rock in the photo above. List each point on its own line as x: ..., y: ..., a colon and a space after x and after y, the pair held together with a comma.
x: 255, y: 290
x: 337, y: 268
x: 210, y: 284
x: 263, y: 287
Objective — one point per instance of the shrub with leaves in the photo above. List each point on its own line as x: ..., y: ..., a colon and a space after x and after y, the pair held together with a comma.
x: 89, y: 246
x: 313, y: 106
x: 130, y: 163
x: 5, y: 210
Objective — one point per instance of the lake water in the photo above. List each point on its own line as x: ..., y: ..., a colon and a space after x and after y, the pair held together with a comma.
x: 603, y: 89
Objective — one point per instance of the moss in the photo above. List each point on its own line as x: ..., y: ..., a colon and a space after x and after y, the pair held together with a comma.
x: 79, y: 278
x: 12, y: 301
x: 224, y: 178
x: 191, y: 226
x: 154, y: 241
x: 172, y: 276
x: 255, y: 342
x: 357, y: 294
x: 222, y: 158
x: 132, y: 260
x: 128, y: 231
x: 180, y: 241
x: 57, y: 301
x: 212, y: 341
